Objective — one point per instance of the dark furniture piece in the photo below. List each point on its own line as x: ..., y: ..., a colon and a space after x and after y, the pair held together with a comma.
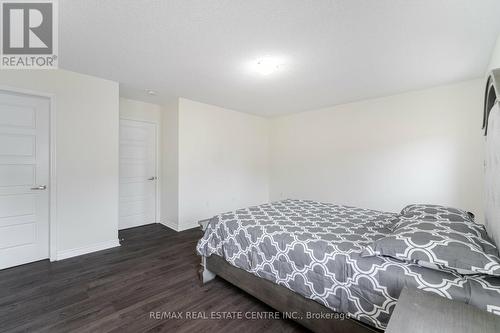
x: 421, y: 312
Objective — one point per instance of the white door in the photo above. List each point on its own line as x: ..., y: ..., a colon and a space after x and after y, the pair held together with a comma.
x: 137, y: 173
x: 24, y: 179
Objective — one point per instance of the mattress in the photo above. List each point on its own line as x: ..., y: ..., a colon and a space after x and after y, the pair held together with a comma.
x: 314, y: 248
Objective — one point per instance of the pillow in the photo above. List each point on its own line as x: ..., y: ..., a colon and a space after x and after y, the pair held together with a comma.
x: 461, y: 247
x: 436, y: 212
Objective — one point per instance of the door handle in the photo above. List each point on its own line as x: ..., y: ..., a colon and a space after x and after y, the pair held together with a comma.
x: 39, y: 188
x: 152, y: 178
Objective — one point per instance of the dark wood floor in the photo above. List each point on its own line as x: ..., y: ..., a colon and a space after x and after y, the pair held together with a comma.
x: 155, y: 270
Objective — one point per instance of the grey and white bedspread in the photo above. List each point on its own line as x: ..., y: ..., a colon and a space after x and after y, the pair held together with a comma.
x: 314, y: 249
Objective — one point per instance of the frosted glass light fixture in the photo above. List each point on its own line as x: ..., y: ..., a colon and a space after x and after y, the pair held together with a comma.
x: 267, y: 65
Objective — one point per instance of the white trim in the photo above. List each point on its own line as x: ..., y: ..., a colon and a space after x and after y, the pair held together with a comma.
x: 53, y: 183
x: 187, y: 226
x: 52, y: 163
x: 61, y: 255
x: 169, y: 224
x: 157, y: 166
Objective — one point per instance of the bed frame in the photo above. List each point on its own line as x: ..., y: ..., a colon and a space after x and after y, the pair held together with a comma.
x: 280, y: 298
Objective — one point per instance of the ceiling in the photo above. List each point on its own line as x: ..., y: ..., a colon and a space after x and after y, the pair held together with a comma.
x: 335, y: 51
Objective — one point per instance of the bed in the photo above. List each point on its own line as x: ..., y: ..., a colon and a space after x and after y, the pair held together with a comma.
x: 305, y: 256
x: 314, y: 249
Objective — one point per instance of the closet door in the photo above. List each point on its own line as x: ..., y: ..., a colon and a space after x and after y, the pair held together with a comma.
x: 138, y: 175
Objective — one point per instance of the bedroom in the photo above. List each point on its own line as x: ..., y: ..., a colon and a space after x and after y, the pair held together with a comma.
x: 139, y: 139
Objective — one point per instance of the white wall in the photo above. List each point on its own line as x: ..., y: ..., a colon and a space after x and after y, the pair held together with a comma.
x: 223, y: 161
x: 495, y: 57
x: 424, y: 146
x: 86, y: 158
x: 141, y: 111
x: 170, y: 157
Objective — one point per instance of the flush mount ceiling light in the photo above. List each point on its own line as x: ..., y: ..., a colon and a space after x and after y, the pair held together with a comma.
x: 267, y: 65
x: 150, y: 92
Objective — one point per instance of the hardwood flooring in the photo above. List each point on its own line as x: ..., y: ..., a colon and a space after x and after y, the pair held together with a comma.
x: 116, y: 290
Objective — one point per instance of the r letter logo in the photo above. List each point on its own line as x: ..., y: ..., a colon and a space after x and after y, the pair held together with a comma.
x: 29, y: 34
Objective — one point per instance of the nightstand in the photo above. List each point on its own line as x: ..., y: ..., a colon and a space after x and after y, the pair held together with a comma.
x: 423, y: 312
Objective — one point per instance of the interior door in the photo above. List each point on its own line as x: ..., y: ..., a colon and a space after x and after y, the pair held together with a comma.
x: 24, y: 178
x: 137, y: 173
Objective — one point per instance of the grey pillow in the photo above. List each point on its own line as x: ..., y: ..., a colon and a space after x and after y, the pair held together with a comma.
x: 436, y: 212
x: 460, y: 247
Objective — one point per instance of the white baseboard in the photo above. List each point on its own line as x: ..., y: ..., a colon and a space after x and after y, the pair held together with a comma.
x: 178, y: 228
x: 170, y: 225
x: 188, y: 226
x: 61, y: 255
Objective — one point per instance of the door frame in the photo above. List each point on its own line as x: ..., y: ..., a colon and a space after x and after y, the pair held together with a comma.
x: 157, y: 163
x: 52, y: 161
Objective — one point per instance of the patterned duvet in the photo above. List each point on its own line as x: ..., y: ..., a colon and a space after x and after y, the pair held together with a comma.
x: 314, y: 249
